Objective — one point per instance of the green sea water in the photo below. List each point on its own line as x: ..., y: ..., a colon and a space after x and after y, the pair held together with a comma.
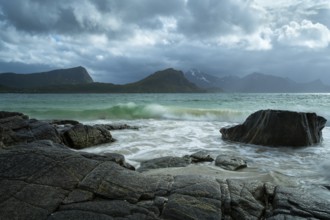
x: 221, y: 107
x: 181, y: 124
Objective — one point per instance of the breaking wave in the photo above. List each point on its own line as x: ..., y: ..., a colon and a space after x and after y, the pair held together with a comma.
x: 131, y: 110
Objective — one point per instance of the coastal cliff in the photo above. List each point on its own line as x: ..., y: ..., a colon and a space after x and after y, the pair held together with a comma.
x: 70, y: 76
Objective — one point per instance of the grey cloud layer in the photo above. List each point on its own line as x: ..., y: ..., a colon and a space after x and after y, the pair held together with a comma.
x: 122, y: 41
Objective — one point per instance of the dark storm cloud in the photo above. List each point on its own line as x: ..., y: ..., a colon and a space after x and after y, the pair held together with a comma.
x: 36, y: 16
x: 73, y: 15
x: 125, y: 40
x: 23, y: 67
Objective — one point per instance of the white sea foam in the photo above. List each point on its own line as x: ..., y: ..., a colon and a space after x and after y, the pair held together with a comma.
x: 158, y: 138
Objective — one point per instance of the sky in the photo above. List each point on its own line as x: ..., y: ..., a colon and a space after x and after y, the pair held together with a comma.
x: 122, y: 41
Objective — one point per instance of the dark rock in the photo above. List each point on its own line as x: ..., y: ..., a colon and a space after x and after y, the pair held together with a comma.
x: 196, y: 186
x: 150, y: 206
x: 277, y: 128
x: 114, y: 157
x: 45, y: 163
x: 127, y: 184
x: 16, y: 128
x: 295, y: 202
x: 160, y: 202
x: 112, y: 127
x: 164, y: 162
x: 82, y: 136
x: 247, y: 199
x: 288, y: 217
x: 188, y: 207
x: 192, y: 197
x: 43, y: 180
x: 201, y: 156
x: 39, y: 176
x: 14, y: 122
x: 47, y: 180
x: 63, y: 122
x: 77, y: 215
x: 21, y: 200
x: 78, y: 195
x: 114, y: 208
x: 44, y: 131
x: 230, y: 162
x: 4, y: 114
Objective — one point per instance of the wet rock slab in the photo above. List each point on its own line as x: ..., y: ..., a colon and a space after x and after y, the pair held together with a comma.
x: 164, y: 162
x: 45, y: 180
x: 230, y: 162
x: 170, y: 161
x: 226, y: 162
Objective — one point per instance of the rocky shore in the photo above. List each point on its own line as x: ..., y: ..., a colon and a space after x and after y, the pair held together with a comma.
x: 42, y: 177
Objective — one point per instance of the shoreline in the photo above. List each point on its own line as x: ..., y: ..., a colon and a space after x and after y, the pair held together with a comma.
x: 47, y: 180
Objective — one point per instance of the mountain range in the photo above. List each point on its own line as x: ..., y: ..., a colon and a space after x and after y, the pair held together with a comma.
x: 78, y: 80
x: 253, y: 83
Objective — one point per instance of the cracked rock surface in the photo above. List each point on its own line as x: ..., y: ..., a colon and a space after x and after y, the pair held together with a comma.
x: 45, y: 180
x: 41, y: 178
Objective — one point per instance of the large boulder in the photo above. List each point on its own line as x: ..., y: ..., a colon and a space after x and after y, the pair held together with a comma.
x: 81, y: 136
x: 277, y: 128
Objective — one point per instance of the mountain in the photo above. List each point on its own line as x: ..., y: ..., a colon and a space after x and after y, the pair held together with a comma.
x: 168, y: 80
x: 77, y: 80
x: 71, y: 76
x: 255, y: 82
x: 165, y: 81
x: 201, y: 79
x: 315, y: 86
x: 258, y: 82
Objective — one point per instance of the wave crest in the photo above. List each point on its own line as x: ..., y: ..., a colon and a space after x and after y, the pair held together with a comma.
x: 131, y: 110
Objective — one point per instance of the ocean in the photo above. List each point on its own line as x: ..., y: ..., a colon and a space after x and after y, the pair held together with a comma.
x: 182, y: 124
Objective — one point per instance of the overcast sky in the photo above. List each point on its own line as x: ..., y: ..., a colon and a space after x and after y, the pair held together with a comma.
x: 122, y: 41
